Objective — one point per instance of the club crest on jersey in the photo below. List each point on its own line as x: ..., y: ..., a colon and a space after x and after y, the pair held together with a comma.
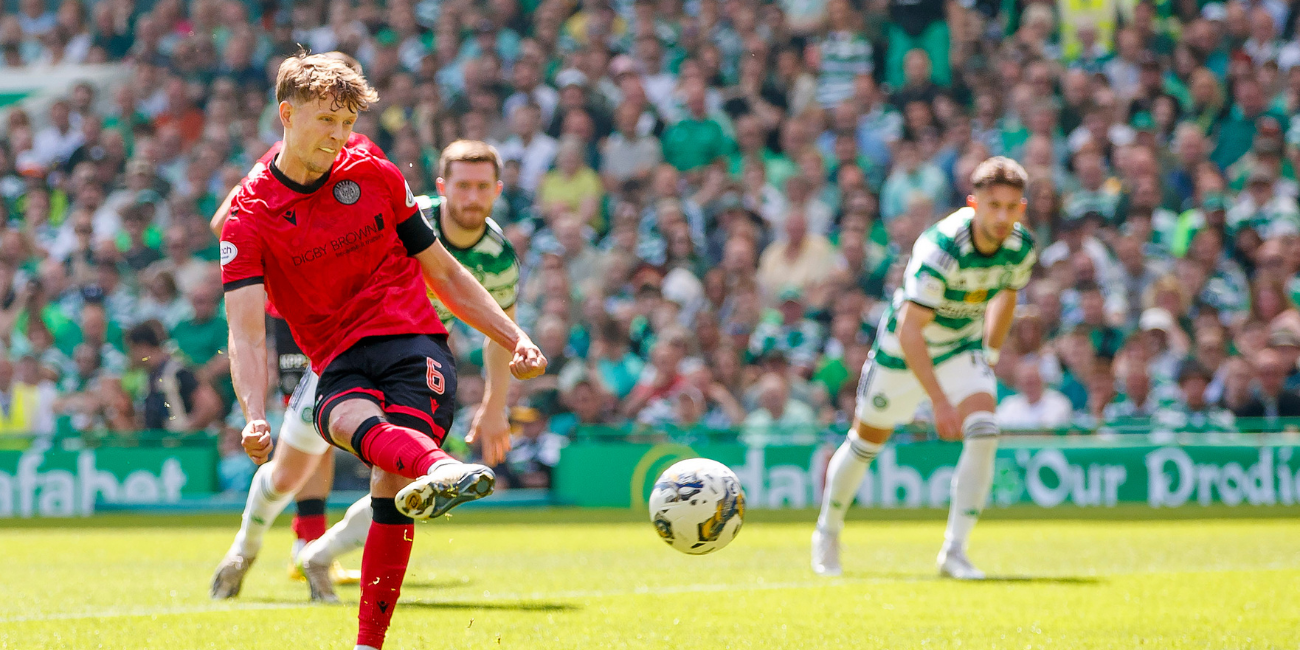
x: 228, y: 252
x: 347, y: 192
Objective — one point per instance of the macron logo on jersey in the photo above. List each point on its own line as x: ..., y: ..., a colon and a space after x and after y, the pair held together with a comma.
x: 410, y: 198
x: 228, y: 252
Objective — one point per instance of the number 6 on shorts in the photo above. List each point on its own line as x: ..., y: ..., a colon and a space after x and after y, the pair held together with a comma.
x: 437, y: 383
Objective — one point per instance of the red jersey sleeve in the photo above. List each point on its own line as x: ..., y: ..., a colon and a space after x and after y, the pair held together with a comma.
x: 412, y: 229
x: 241, y: 247
x: 399, y: 193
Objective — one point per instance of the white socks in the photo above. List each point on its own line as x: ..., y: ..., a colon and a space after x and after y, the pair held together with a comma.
x: 843, y: 477
x: 263, y: 506
x: 972, y: 479
x: 343, y: 537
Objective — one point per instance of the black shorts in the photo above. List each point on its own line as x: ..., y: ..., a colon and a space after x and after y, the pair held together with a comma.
x: 411, y: 377
x: 292, y: 362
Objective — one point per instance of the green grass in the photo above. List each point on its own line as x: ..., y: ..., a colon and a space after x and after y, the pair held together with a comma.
x: 481, y: 580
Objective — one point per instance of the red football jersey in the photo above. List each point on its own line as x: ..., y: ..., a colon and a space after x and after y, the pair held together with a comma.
x: 329, y: 254
x: 355, y: 140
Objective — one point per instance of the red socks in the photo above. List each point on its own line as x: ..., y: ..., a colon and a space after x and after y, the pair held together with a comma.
x: 310, y: 523
x: 396, y: 450
x: 405, y: 452
x: 383, y: 566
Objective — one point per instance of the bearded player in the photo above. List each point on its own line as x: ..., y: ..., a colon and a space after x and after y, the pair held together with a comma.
x: 334, y: 238
x: 936, y: 342
x: 469, y: 183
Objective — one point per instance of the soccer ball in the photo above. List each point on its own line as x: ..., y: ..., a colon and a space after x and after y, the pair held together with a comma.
x: 697, y: 506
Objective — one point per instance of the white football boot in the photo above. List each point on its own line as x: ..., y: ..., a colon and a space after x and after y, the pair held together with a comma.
x: 826, y: 553
x: 448, y: 484
x: 953, y: 563
x: 229, y: 578
x: 319, y: 581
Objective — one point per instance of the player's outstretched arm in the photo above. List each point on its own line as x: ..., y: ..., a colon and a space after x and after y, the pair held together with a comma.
x: 223, y: 212
x: 1002, y: 310
x: 911, y: 322
x: 246, y: 315
x: 470, y: 302
x: 491, y: 427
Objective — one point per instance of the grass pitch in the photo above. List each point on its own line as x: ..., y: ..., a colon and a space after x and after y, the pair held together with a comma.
x: 559, y: 579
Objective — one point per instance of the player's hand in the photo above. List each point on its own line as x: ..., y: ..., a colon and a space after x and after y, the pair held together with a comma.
x: 946, y: 423
x: 492, y: 429
x: 528, y: 361
x: 256, y: 440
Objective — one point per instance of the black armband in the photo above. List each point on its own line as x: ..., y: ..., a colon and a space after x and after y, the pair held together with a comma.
x: 240, y: 284
x: 415, y: 233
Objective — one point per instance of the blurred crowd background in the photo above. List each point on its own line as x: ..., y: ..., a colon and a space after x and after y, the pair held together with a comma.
x: 712, y: 200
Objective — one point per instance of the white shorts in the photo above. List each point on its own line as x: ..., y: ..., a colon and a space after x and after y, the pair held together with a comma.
x: 889, y: 397
x: 299, y: 428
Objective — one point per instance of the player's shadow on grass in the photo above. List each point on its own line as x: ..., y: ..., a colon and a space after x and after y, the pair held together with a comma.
x: 1042, y: 580
x: 1046, y: 580
x: 449, y: 583
x: 518, y: 606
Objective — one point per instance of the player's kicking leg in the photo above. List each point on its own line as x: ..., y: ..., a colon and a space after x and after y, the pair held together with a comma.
x: 349, y: 534
x: 274, y: 485
x: 390, y: 402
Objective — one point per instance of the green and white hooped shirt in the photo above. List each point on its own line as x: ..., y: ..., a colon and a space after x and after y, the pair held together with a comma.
x: 491, y: 260
x: 948, y: 275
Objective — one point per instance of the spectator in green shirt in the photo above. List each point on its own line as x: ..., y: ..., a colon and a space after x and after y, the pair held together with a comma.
x: 1191, y: 411
x: 203, y: 340
x: 1237, y: 131
x: 697, y: 140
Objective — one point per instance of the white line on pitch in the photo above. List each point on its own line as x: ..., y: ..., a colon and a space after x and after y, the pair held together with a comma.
x: 141, y: 612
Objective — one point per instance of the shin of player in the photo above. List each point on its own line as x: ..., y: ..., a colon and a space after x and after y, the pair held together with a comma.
x: 936, y: 342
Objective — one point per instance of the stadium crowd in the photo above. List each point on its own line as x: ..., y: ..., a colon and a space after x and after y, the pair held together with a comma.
x: 712, y: 201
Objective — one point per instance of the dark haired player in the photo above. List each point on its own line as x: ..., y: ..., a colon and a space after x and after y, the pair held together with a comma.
x: 936, y: 342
